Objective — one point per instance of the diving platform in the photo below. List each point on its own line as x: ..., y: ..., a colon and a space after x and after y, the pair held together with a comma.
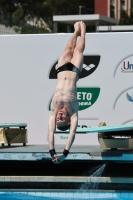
x: 115, y: 144
x: 77, y: 153
x: 31, y: 167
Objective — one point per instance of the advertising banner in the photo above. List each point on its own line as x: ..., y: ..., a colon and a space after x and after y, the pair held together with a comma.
x: 28, y: 80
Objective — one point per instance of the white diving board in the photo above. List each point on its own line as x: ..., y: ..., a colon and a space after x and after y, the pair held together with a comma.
x: 99, y: 129
x: 11, y: 133
x: 14, y: 125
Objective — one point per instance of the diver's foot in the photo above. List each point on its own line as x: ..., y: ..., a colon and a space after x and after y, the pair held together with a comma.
x: 77, y: 28
x: 83, y: 27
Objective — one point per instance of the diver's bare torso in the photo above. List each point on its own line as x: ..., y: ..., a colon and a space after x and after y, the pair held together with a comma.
x: 65, y: 95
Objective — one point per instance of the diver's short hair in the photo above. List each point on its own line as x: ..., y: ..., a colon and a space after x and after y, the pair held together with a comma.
x: 63, y: 127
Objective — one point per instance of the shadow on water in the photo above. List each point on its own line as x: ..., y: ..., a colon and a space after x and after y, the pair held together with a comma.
x: 94, y: 172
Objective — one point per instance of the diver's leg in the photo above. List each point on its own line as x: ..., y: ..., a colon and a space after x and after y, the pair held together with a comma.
x: 77, y: 58
x: 67, y: 54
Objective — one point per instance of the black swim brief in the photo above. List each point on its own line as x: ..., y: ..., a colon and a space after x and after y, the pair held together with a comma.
x: 68, y: 67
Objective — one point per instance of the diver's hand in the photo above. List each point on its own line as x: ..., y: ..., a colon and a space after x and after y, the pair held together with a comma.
x: 54, y: 158
x: 59, y: 158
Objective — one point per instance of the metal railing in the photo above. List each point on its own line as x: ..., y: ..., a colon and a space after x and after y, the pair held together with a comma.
x: 6, y: 30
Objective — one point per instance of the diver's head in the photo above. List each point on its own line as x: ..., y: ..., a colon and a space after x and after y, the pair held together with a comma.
x: 63, y: 120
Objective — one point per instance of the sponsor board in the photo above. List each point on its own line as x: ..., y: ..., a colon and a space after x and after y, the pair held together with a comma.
x: 28, y: 81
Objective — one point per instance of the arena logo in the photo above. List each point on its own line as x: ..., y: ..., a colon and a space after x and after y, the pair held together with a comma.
x: 86, y: 97
x: 90, y: 64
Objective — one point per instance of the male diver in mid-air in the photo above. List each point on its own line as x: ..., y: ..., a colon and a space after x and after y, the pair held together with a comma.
x: 64, y: 105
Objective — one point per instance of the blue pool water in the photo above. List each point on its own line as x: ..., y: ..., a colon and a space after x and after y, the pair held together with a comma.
x: 66, y: 195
